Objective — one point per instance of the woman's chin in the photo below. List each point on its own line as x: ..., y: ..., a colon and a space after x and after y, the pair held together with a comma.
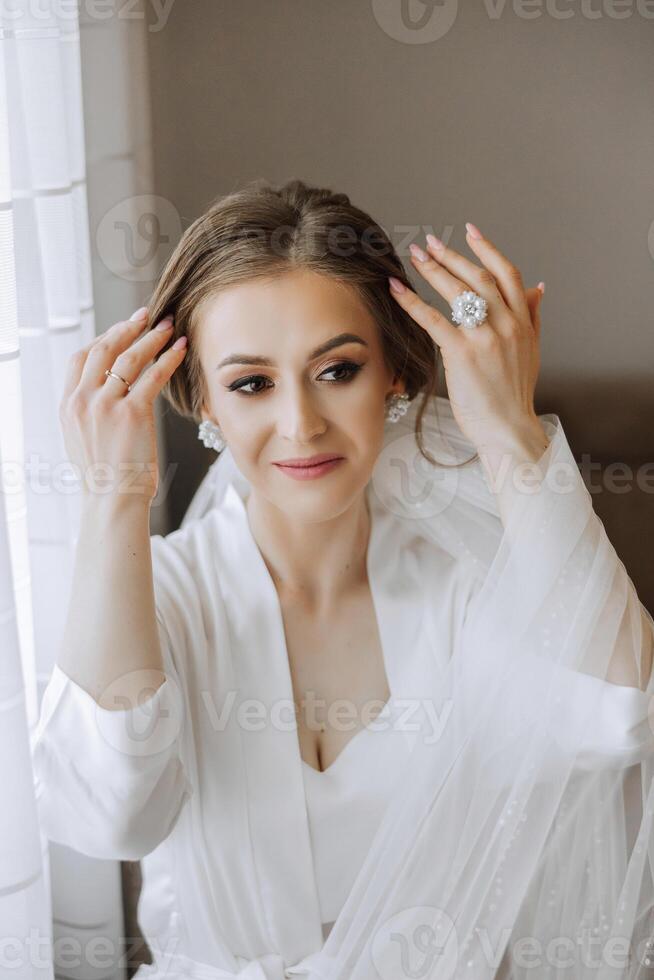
x: 321, y: 498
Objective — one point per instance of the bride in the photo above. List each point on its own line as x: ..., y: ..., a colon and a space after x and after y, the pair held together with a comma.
x: 381, y: 706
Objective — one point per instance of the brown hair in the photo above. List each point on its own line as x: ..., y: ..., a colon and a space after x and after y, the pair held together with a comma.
x: 261, y: 231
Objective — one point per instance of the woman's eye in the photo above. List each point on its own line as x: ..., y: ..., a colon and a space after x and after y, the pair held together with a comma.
x: 245, y: 382
x: 346, y: 370
x: 348, y: 366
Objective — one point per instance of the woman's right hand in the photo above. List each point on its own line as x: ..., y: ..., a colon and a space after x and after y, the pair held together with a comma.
x: 104, y: 423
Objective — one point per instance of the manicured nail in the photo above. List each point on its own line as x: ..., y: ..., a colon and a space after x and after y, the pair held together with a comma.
x: 165, y: 324
x: 473, y: 231
x: 435, y: 242
x: 418, y: 252
x: 179, y: 344
x: 541, y: 286
x: 139, y: 314
x: 396, y: 285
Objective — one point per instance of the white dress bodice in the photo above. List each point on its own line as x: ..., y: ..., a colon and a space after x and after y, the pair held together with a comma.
x: 346, y: 803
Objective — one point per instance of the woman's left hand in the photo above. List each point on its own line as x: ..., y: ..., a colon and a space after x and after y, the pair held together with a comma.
x: 491, y: 370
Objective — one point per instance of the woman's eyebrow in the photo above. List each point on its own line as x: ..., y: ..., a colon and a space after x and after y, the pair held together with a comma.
x: 338, y: 341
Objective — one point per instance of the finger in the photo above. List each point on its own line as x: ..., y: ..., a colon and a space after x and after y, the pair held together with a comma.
x: 132, y: 361
x: 156, y: 376
x: 74, y: 370
x: 105, y: 349
x: 446, y: 281
x: 78, y: 359
x: 507, y: 276
x: 534, y: 298
x: 441, y: 331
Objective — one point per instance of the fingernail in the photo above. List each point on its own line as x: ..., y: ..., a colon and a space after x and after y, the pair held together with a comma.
x: 139, y: 314
x: 435, y: 242
x: 473, y: 231
x: 396, y: 285
x: 179, y: 344
x: 541, y: 286
x: 165, y: 324
x: 418, y: 252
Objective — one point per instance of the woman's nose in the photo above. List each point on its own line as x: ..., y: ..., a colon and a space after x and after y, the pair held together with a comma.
x: 299, y: 418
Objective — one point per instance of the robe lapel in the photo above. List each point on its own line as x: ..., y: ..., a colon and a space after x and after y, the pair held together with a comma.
x: 278, y: 817
x: 400, y: 595
x: 279, y: 827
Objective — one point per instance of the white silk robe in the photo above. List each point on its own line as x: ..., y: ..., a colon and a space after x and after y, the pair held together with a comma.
x: 214, y: 804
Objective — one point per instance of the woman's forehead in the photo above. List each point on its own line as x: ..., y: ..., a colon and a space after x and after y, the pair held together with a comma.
x: 301, y: 307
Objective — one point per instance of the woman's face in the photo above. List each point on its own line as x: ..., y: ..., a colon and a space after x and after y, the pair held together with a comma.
x: 294, y: 368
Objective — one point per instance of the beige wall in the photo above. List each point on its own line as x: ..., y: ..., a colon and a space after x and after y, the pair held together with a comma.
x: 539, y: 130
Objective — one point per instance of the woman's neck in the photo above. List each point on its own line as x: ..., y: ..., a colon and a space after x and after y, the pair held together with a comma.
x: 312, y: 562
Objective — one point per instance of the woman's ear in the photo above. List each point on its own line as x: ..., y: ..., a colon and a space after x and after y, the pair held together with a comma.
x: 205, y: 414
x: 397, y: 386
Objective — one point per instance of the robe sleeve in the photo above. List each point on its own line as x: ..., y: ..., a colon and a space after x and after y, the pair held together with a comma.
x: 600, y: 725
x: 557, y: 586
x: 111, y: 783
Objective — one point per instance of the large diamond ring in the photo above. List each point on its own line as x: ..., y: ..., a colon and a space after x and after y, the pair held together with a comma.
x: 469, y: 309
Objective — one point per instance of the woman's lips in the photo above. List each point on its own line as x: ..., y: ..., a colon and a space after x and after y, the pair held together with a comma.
x: 309, y: 472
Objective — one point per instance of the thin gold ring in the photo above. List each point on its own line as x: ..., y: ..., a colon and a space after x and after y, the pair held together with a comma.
x: 112, y: 374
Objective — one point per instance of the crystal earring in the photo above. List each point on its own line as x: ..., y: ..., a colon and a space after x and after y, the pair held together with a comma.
x: 209, y: 433
x: 397, y: 406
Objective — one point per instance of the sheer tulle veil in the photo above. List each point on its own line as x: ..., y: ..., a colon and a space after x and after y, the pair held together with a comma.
x: 518, y: 844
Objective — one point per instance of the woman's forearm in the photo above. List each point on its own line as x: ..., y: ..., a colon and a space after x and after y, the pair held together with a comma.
x: 111, y: 645
x: 510, y: 461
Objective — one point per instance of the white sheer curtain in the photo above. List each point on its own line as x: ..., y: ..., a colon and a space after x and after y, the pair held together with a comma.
x: 46, y: 313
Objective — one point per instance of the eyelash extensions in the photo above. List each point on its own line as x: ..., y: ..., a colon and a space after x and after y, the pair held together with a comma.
x: 352, y: 369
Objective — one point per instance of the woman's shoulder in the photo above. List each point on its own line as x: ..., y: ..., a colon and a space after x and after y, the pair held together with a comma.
x: 419, y: 559
x: 436, y: 558
x: 450, y: 577
x: 460, y: 569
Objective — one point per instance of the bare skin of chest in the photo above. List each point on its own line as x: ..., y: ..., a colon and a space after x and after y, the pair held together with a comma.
x: 334, y: 656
